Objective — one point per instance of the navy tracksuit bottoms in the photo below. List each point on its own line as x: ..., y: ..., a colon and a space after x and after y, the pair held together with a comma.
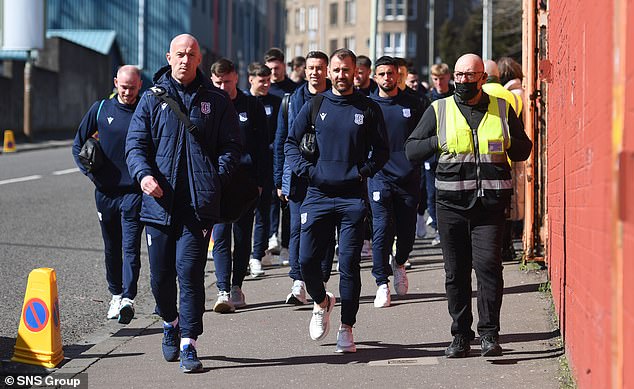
x: 236, y: 263
x: 472, y: 239
x: 179, y: 251
x: 121, y: 230
x: 394, y: 214
x: 320, y: 215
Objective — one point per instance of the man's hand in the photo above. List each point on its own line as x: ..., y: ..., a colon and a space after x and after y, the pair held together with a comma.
x: 150, y: 187
x: 281, y: 196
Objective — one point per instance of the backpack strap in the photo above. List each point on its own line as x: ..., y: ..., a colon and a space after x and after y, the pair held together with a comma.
x: 315, y: 104
x: 162, y: 95
x: 286, y: 101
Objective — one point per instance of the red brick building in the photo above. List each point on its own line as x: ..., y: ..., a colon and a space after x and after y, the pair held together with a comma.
x: 579, y: 71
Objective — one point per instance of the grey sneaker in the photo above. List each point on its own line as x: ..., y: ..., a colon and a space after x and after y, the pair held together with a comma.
x: 223, y: 303
x: 236, y: 297
x: 345, y: 341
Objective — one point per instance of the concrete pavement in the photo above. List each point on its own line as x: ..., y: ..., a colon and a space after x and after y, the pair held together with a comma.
x: 266, y: 344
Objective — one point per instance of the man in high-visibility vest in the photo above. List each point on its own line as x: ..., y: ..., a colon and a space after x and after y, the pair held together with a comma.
x: 474, y: 135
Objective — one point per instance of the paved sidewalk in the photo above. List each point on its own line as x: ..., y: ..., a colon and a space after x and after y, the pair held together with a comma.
x: 267, y: 345
x: 45, y: 140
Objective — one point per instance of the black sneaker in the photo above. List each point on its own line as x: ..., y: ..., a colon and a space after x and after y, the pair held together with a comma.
x: 171, y: 342
x: 459, y: 347
x: 189, y: 360
x: 490, y: 346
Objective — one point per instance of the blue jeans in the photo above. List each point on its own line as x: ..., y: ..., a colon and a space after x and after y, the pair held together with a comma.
x: 224, y: 261
x: 394, y: 213
x: 121, y: 230
x: 320, y: 215
x: 179, y: 250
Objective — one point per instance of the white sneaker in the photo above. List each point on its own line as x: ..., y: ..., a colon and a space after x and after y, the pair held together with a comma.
x: 401, y: 283
x: 224, y: 304
x: 284, y: 256
x: 366, y: 250
x: 236, y: 296
x: 345, y: 341
x: 382, y: 298
x: 255, y: 267
x: 274, y: 244
x: 436, y: 240
x: 115, y: 306
x: 421, y: 228
x: 320, y: 322
x: 429, y: 220
x: 408, y: 265
x: 126, y: 312
x: 298, y: 294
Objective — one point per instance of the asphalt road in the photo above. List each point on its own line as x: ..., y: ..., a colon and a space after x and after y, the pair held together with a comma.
x: 48, y: 219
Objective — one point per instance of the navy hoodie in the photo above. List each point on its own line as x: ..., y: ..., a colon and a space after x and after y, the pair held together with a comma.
x: 255, y: 132
x: 351, y: 145
x: 279, y: 88
x: 112, y: 124
x: 401, y: 113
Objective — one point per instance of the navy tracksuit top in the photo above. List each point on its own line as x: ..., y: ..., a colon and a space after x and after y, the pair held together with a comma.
x: 112, y: 125
x: 255, y: 132
x: 351, y: 145
x: 401, y: 113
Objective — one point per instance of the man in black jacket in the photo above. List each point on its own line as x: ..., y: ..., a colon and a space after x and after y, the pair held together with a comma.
x: 475, y: 135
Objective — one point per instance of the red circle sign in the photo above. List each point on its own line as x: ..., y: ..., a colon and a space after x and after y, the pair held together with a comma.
x: 35, y: 315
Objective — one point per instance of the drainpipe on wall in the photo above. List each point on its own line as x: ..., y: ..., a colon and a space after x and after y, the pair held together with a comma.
x: 141, y: 37
x: 529, y: 59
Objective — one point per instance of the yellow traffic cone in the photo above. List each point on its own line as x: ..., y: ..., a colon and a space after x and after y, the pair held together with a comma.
x: 39, y: 337
x: 9, y: 142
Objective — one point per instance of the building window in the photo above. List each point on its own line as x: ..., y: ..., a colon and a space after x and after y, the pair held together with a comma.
x: 412, y: 9
x: 393, y: 44
x: 334, y: 9
x: 299, y: 49
x: 300, y: 20
x: 313, y: 18
x: 350, y: 11
x: 312, y: 46
x: 394, y: 9
x: 411, y: 44
x: 333, y: 45
x: 349, y: 43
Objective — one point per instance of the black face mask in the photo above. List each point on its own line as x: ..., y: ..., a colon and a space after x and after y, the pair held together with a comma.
x: 465, y: 91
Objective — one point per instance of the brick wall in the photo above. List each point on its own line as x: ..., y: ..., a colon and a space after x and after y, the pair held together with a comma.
x: 582, y: 250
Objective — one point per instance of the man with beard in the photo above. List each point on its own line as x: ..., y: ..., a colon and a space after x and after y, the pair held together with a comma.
x: 292, y: 188
x: 394, y: 191
x: 475, y: 135
x: 351, y: 146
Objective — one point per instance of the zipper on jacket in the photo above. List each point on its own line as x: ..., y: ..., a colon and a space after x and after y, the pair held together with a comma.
x: 476, y: 152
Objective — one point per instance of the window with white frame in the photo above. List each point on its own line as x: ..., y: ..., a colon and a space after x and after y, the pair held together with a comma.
x: 334, y: 14
x: 349, y: 43
x: 394, y: 9
x: 300, y: 20
x: 313, y: 18
x: 299, y: 49
x: 350, y: 11
x: 393, y: 44
x: 312, y: 46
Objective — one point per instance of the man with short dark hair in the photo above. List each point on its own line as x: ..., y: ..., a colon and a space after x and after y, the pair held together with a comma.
x: 475, y: 135
x: 231, y: 260
x: 394, y: 191
x: 181, y: 174
x: 362, y: 80
x: 351, y: 146
x: 260, y: 84
x: 289, y: 186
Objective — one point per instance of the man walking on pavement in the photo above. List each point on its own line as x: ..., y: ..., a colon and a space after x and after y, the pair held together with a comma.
x: 181, y: 171
x: 394, y: 191
x: 474, y: 134
x: 117, y: 195
x: 260, y: 84
x: 351, y: 145
x: 289, y: 186
x: 231, y: 261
